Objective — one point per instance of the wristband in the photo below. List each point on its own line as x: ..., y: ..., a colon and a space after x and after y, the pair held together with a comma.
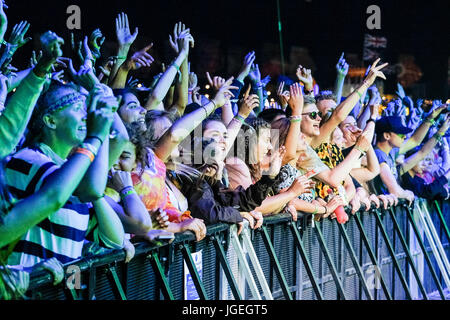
x: 370, y: 120
x: 430, y: 121
x: 360, y: 150
x: 326, y: 210
x: 294, y: 119
x: 86, y: 152
x: 359, y: 94
x: 125, y: 192
x: 215, y: 106
x: 89, y: 147
x: 206, y: 111
x: 240, y: 118
x: 175, y: 66
x: 95, y: 137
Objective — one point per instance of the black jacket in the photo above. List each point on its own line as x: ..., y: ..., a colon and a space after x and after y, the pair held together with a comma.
x: 214, y: 203
x: 432, y: 191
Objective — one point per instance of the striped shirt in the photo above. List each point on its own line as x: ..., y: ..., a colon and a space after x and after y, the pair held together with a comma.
x: 62, y: 233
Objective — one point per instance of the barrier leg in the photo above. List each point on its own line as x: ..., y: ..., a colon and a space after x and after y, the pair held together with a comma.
x: 255, y: 262
x: 408, y: 254
x: 226, y: 268
x: 437, y: 240
x: 193, y: 270
x: 243, y: 265
x: 441, y: 218
x: 393, y: 256
x: 159, y: 272
x: 276, y: 264
x: 355, y: 261
x: 301, y: 249
x: 437, y: 256
x: 372, y: 256
x: 331, y: 265
x: 117, y: 285
x: 425, y: 253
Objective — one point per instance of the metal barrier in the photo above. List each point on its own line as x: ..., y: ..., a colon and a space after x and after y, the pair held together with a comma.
x: 399, y: 253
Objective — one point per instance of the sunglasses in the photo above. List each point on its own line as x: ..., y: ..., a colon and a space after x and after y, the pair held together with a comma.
x: 313, y: 115
x: 401, y: 135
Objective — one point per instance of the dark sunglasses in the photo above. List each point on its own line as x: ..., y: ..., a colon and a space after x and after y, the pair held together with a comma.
x: 313, y: 115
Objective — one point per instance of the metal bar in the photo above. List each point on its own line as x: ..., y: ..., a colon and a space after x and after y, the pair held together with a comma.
x: 354, y: 259
x: 276, y: 264
x: 408, y: 254
x: 331, y: 265
x: 159, y: 272
x: 392, y: 253
x: 115, y: 279
x: 92, y: 283
x: 226, y: 268
x: 425, y: 253
x: 255, y: 262
x: 194, y: 274
x: 434, y: 248
x: 243, y: 264
x: 372, y: 256
x: 301, y: 249
x: 437, y: 240
x: 441, y: 218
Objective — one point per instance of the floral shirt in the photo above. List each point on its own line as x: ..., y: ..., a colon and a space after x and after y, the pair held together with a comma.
x: 151, y: 188
x: 332, y: 156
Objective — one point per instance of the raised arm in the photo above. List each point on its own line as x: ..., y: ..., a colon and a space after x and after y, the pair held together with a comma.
x: 20, y: 106
x: 422, y: 131
x: 371, y: 171
x: 164, y: 83
x: 296, y: 104
x: 344, y: 108
x: 341, y: 72
x: 185, y: 125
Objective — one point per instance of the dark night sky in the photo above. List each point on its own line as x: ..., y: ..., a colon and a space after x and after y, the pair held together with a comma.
x: 327, y: 28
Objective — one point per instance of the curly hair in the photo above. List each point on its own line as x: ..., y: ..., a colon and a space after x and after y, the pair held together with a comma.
x: 138, y: 139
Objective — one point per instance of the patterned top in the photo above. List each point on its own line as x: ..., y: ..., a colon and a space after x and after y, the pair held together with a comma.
x: 287, y: 175
x: 151, y: 188
x: 332, y: 156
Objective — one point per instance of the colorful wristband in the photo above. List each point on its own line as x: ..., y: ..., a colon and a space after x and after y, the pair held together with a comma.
x: 86, y: 152
x: 240, y: 118
x: 125, y: 192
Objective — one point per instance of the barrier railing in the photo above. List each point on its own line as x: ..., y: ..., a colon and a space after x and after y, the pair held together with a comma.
x: 399, y: 253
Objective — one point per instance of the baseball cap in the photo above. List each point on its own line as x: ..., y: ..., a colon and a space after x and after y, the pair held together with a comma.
x: 391, y: 124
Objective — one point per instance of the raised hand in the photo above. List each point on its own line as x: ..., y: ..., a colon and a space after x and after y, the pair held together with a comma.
x: 35, y: 58
x: 140, y: 59
x: 304, y: 75
x: 96, y: 40
x: 132, y: 83
x: 254, y: 74
x: 120, y: 179
x: 124, y: 36
x: 342, y: 66
x: 224, y: 93
x: 85, y: 77
x: 100, y: 112
x: 400, y: 91
x: 185, y: 40
x: 246, y: 65
x: 363, y: 142
x: 295, y: 99
x: 283, y: 95
x: 193, y: 81
x: 265, y: 81
x: 18, y: 33
x: 248, y: 103
x: 216, y: 83
x: 177, y: 30
x: 374, y: 72
x: 301, y: 185
x: 51, y: 45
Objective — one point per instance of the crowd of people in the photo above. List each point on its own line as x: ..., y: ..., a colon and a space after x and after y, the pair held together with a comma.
x: 92, y: 161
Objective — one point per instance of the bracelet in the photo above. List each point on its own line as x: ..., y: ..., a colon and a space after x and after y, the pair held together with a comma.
x: 215, y: 106
x: 360, y: 150
x: 294, y: 119
x: 86, y: 152
x: 95, y: 137
x: 442, y: 134
x: 430, y: 121
x: 359, y: 94
x: 175, y: 66
x: 89, y: 147
x: 240, y: 118
x: 125, y: 192
x: 370, y: 120
x: 326, y: 210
